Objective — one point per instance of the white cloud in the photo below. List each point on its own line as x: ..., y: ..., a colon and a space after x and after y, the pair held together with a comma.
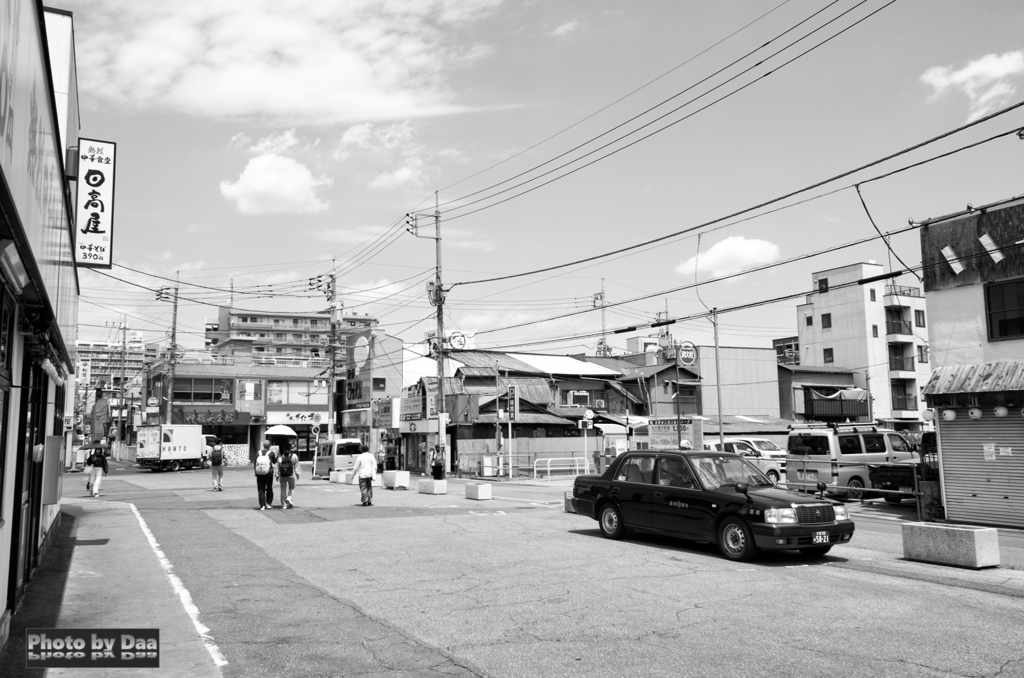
x: 276, y: 143
x: 985, y: 81
x: 286, y: 61
x: 565, y: 29
x: 274, y: 184
x: 732, y: 255
x: 412, y: 174
x: 375, y: 139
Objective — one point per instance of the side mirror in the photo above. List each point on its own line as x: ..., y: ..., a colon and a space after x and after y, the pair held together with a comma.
x: 743, y: 488
x: 821, y: 490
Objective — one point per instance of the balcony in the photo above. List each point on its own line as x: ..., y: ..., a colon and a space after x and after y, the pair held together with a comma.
x: 834, y: 407
x: 898, y: 327
x: 901, y: 291
x: 905, y: 364
x: 904, y: 403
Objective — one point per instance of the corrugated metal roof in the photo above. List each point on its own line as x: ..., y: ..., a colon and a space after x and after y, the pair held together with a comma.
x: 563, y: 364
x: 486, y: 359
x: 533, y: 389
x: 623, y: 366
x: 527, y: 418
x: 818, y: 369
x: 1005, y: 375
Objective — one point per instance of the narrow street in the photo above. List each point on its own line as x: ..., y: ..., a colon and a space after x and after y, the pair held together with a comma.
x: 427, y: 585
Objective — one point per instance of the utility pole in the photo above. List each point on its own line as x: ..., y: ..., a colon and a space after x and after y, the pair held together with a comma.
x: 435, y: 293
x: 603, y: 350
x: 121, y: 399
x: 332, y: 350
x: 867, y: 387
x: 718, y: 382
x: 162, y: 296
x: 497, y: 413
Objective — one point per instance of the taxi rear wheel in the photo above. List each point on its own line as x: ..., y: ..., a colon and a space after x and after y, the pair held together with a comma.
x: 735, y: 540
x: 611, y: 521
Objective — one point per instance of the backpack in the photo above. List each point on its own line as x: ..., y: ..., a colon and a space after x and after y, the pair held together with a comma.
x: 263, y: 463
x: 285, y: 469
x: 217, y: 456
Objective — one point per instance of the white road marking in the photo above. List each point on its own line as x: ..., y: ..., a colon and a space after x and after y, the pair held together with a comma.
x: 487, y: 513
x: 183, y: 594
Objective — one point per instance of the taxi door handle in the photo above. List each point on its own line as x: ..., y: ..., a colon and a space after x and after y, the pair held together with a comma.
x: 657, y: 494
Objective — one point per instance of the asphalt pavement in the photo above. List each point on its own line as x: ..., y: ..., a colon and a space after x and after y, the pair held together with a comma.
x: 427, y: 584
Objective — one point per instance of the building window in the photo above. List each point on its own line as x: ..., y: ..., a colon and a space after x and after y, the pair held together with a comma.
x: 828, y: 355
x: 872, y: 295
x: 826, y: 321
x: 809, y: 319
x: 919, y: 318
x: 922, y: 354
x: 823, y: 285
x: 1004, y: 307
x: 874, y: 331
x: 297, y: 337
x: 380, y: 384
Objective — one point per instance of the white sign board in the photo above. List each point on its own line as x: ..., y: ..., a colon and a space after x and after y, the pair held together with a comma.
x: 663, y: 433
x: 94, y: 214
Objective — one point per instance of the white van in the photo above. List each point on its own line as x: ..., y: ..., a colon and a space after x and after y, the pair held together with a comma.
x: 838, y: 455
x: 335, y: 455
x: 770, y: 465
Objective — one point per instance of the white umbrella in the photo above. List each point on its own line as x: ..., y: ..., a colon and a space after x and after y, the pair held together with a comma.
x: 281, y: 430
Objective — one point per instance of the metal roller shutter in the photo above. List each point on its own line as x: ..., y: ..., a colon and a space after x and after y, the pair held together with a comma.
x: 976, y: 490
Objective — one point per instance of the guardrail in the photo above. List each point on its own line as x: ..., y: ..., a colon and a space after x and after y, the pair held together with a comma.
x: 570, y: 464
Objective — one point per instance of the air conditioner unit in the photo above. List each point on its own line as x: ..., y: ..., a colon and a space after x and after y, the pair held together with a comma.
x: 599, y: 403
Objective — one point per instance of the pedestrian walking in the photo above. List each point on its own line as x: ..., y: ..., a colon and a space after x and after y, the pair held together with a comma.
x: 97, y: 462
x: 363, y: 469
x: 288, y: 469
x: 265, y: 469
x: 217, y: 464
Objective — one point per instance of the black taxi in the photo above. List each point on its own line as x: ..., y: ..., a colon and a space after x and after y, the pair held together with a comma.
x: 708, y: 496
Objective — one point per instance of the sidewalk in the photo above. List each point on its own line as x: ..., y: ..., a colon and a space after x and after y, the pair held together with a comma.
x: 113, y: 579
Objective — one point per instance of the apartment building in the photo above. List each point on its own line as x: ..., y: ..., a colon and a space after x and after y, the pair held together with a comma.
x: 877, y: 330
x: 103, y: 362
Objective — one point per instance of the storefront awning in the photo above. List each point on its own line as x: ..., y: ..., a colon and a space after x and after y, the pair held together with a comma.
x: 1005, y: 375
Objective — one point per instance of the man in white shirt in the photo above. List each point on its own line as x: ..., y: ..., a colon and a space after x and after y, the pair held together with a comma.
x: 363, y: 469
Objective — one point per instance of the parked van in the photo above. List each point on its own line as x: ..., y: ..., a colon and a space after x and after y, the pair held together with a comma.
x: 770, y: 465
x: 838, y: 455
x: 335, y: 455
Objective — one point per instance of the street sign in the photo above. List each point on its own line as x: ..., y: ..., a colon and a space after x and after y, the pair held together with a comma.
x: 513, y: 402
x: 686, y: 356
x: 153, y: 401
x: 589, y: 415
x: 315, y: 430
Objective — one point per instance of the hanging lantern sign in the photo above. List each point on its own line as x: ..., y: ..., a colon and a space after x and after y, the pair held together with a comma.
x: 94, y: 214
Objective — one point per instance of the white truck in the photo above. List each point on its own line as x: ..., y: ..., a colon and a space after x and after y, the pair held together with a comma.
x: 170, y: 447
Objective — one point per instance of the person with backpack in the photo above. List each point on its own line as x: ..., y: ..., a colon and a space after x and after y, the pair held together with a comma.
x: 288, y: 469
x: 265, y: 471
x: 217, y: 464
x: 363, y: 469
x: 98, y: 463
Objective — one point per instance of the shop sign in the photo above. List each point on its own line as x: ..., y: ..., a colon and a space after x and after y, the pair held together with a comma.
x: 296, y: 417
x: 663, y: 435
x: 355, y: 418
x: 209, y: 418
x: 94, y: 240
x: 431, y: 385
x: 275, y: 392
x: 412, y: 403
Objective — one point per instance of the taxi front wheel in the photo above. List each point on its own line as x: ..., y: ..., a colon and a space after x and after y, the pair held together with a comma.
x: 611, y: 521
x: 735, y: 540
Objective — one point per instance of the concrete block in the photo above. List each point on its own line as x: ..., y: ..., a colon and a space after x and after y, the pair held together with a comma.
x: 336, y: 476
x: 479, y: 491
x: 395, y: 479
x: 960, y: 545
x: 568, y: 502
x: 431, y: 486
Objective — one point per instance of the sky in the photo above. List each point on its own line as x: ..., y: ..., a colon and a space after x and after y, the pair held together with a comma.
x: 263, y: 143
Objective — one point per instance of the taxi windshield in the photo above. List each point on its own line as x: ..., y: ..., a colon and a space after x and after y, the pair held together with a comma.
x: 721, y: 470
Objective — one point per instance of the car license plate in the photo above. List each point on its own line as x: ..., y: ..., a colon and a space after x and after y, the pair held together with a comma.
x: 820, y: 538
x: 908, y: 490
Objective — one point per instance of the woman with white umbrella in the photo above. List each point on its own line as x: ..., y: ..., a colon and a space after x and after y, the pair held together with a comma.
x: 288, y: 468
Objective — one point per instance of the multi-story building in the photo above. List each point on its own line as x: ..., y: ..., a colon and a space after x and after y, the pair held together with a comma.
x: 279, y: 335
x: 787, y: 350
x: 974, y: 280
x: 876, y: 329
x: 105, y: 361
x: 38, y: 284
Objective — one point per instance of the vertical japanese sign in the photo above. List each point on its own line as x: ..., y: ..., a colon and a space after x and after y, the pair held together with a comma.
x: 94, y: 214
